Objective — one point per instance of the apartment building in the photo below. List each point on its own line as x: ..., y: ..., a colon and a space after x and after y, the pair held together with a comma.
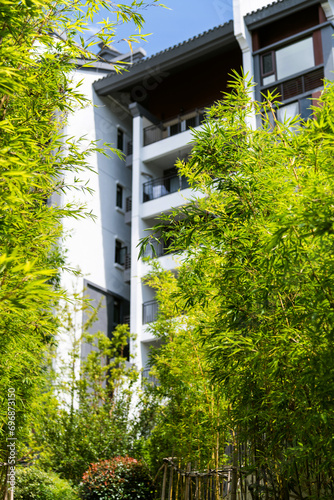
x: 285, y: 45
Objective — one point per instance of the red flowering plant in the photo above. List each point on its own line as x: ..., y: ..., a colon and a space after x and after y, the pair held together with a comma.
x: 118, y: 478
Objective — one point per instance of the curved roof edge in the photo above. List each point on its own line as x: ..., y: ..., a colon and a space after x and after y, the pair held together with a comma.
x: 173, y: 56
x: 277, y: 9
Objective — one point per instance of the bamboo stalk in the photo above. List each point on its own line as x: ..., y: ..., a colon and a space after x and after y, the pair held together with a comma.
x: 164, y: 483
x: 234, y: 481
x: 197, y: 489
x: 170, y: 489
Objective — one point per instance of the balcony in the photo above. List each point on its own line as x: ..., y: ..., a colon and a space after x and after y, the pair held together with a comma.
x: 181, y: 123
x: 157, y: 188
x: 128, y: 209
x: 122, y: 257
x: 150, y: 311
x: 148, y: 378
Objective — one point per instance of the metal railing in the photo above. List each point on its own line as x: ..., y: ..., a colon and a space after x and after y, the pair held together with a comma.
x: 121, y: 255
x: 123, y: 258
x: 128, y: 204
x: 127, y: 262
x: 129, y: 148
x: 149, y: 378
x: 181, y: 123
x: 157, y: 188
x: 150, y: 311
x: 158, y: 248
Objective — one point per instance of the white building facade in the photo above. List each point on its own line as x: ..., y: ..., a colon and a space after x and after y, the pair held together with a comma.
x: 287, y: 45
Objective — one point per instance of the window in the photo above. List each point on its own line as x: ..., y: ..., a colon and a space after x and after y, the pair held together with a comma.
x: 120, y: 253
x: 300, y: 107
x: 120, y: 139
x: 288, y: 60
x: 119, y: 196
x: 295, y: 58
x: 117, y: 312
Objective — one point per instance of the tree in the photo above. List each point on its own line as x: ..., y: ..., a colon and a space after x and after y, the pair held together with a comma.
x: 81, y: 412
x: 259, y: 245
x: 38, y: 43
x: 181, y: 407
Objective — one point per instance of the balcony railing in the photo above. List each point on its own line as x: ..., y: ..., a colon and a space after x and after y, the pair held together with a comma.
x: 150, y: 311
x: 149, y: 378
x: 157, y: 248
x: 128, y: 204
x: 127, y: 263
x: 181, y: 123
x: 126, y: 320
x: 123, y: 258
x: 163, y: 186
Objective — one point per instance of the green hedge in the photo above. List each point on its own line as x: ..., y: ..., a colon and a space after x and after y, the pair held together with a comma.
x: 35, y: 484
x: 119, y: 478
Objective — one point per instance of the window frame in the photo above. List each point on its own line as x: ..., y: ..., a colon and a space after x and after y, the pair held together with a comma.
x: 120, y: 139
x: 119, y: 196
x: 119, y: 250
x: 317, y: 54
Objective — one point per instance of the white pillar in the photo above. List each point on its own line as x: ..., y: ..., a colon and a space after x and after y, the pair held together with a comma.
x: 136, y: 285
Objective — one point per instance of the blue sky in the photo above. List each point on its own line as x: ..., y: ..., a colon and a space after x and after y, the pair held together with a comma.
x: 185, y: 19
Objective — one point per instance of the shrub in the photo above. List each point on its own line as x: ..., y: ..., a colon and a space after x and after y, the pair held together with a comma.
x: 35, y: 484
x: 119, y: 478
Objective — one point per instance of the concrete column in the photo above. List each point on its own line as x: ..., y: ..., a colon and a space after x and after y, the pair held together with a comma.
x: 245, y: 42
x: 136, y: 285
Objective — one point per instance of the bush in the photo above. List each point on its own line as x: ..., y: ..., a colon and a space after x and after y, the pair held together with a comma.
x: 35, y: 484
x: 119, y: 478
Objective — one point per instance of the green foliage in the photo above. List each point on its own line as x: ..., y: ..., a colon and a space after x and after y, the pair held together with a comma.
x: 119, y: 478
x: 39, y: 43
x: 259, y: 263
x: 182, y: 412
x: 82, y: 415
x: 33, y: 483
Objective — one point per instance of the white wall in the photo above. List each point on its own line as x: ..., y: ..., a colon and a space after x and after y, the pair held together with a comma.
x: 90, y: 243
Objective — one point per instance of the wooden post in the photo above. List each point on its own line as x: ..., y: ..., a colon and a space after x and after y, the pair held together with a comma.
x: 170, y: 488
x: 164, y: 483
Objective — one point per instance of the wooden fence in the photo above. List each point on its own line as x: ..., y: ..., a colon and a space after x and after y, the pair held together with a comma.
x: 226, y: 483
x: 213, y: 484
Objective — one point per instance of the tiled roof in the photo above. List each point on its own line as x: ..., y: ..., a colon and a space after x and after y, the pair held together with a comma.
x: 174, y: 47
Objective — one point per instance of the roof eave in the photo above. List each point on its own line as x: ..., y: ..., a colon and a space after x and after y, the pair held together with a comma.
x: 276, y: 11
x: 166, y: 60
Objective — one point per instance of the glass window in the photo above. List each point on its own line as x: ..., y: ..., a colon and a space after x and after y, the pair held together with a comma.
x: 120, y: 253
x: 305, y: 111
x: 267, y: 63
x: 117, y: 311
x: 120, y: 139
x: 295, y: 58
x: 119, y: 196
x: 289, y: 111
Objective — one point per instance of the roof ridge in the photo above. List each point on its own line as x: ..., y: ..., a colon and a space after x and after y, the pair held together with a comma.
x: 168, y: 49
x: 183, y: 42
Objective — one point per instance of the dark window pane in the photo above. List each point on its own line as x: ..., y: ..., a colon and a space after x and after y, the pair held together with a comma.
x: 117, y: 312
x: 304, y: 108
x: 267, y: 63
x: 120, y: 139
x: 119, y: 196
x: 120, y: 253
